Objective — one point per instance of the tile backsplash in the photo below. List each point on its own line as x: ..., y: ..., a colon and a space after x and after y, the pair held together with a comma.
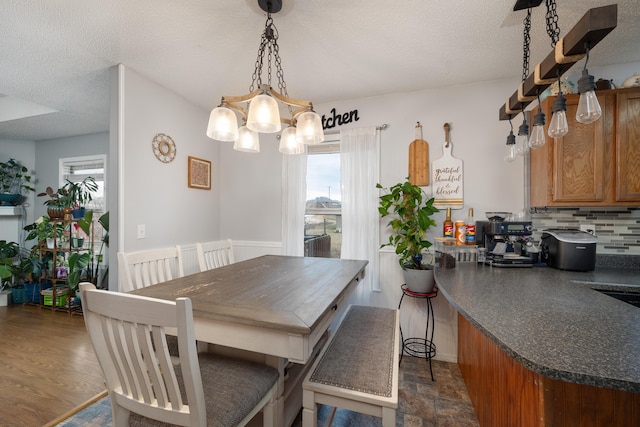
x: 617, y: 229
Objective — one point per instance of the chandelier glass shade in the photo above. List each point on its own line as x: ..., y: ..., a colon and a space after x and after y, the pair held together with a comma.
x: 260, y: 108
x: 289, y: 142
x: 247, y: 141
x: 223, y: 125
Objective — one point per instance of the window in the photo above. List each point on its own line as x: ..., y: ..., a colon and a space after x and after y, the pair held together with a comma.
x: 323, y: 217
x: 75, y: 169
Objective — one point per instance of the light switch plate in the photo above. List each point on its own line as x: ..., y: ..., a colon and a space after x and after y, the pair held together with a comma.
x: 141, y: 231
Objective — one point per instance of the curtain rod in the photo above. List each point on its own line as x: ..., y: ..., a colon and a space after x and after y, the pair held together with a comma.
x: 335, y: 132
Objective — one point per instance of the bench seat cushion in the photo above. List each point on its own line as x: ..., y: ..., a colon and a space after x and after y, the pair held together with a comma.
x: 360, y: 356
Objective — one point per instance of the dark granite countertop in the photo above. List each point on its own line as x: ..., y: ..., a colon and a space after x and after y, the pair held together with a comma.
x: 553, y: 322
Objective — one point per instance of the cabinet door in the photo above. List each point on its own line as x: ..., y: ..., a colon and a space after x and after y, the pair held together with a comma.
x: 628, y: 147
x: 579, y: 159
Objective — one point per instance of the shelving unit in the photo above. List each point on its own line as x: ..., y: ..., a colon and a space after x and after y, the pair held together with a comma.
x: 59, y: 297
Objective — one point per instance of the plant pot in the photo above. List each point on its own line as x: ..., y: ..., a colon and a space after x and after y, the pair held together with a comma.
x: 55, y: 212
x: 419, y: 281
x: 10, y: 199
x: 5, y: 298
x: 78, y: 213
x: 50, y: 243
x: 77, y: 242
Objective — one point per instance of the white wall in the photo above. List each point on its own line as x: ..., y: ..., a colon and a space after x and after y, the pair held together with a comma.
x: 155, y: 194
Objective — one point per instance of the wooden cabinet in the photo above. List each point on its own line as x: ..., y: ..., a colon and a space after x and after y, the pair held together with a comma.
x: 593, y: 165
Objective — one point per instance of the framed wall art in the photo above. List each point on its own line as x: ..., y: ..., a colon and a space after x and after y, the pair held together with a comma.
x: 199, y: 173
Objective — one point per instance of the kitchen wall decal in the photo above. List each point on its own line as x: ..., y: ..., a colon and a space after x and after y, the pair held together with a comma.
x: 339, y: 119
x: 419, y: 159
x: 446, y: 177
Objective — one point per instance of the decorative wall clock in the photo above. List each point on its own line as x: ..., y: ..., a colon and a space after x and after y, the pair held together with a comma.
x: 164, y: 148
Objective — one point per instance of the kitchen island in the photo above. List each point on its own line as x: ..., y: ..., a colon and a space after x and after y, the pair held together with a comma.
x: 539, y: 346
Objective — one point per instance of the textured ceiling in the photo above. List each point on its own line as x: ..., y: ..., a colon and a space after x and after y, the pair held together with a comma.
x: 56, y: 53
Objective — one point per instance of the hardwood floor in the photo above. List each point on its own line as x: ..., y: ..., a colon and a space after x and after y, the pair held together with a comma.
x: 47, y: 365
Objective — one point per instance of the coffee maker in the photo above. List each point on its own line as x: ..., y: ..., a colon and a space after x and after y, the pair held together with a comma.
x: 504, y: 241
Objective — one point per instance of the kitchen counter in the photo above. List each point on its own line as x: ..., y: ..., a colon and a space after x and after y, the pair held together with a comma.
x: 551, y: 321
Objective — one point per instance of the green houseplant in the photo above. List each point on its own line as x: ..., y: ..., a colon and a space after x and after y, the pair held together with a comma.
x: 411, y: 217
x: 15, y: 181
x: 80, y: 193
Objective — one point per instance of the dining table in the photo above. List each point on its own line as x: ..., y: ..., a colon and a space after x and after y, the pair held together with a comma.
x: 273, y: 309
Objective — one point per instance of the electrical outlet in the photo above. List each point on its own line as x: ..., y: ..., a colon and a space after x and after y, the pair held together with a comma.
x: 141, y: 231
x: 589, y: 228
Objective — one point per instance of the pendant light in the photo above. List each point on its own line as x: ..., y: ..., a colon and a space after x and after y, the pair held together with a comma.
x: 537, y: 138
x: 558, y: 126
x: 588, y: 106
x: 512, y: 153
x: 522, y: 140
x: 262, y: 110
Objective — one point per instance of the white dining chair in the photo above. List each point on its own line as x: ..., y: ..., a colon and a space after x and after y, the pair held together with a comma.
x: 214, y: 254
x: 140, y: 269
x: 128, y: 336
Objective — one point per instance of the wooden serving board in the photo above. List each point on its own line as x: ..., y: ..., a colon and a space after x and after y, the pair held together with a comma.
x: 446, y: 174
x: 419, y: 159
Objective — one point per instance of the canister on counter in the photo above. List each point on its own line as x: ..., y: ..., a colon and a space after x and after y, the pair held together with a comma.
x: 446, y: 252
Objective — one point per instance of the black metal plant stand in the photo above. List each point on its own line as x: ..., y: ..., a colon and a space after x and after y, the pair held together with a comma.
x: 420, y: 347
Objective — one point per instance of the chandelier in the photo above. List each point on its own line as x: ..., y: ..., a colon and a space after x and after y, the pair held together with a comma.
x: 591, y: 29
x: 260, y: 108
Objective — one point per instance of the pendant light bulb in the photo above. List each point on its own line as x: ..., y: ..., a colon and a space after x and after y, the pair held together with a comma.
x: 559, y: 126
x: 512, y: 153
x: 537, y: 138
x: 522, y: 140
x: 588, y: 106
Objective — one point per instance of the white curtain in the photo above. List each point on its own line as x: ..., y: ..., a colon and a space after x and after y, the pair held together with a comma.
x: 294, y: 193
x: 360, y: 165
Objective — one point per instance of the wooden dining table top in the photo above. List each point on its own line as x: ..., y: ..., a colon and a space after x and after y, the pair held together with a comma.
x: 284, y: 293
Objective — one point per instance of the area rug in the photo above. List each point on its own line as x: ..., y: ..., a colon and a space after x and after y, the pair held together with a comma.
x: 96, y: 412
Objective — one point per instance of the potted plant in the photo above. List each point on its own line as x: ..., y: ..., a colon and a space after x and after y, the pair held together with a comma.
x: 14, y: 267
x: 43, y: 230
x: 95, y: 259
x: 15, y: 181
x: 58, y: 201
x: 411, y: 212
x: 80, y: 193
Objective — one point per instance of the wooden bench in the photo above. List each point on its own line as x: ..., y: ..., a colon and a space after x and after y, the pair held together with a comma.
x: 358, y: 369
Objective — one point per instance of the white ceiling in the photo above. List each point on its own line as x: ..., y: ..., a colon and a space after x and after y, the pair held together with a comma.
x: 56, y: 53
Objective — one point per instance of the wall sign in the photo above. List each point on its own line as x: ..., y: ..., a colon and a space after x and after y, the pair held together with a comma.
x: 339, y: 119
x: 447, y: 178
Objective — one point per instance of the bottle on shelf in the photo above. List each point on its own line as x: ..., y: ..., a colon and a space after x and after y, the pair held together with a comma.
x: 460, y: 231
x: 448, y: 225
x: 470, y: 229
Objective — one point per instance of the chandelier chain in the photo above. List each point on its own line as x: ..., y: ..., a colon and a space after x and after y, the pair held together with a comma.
x: 526, y: 44
x: 553, y: 30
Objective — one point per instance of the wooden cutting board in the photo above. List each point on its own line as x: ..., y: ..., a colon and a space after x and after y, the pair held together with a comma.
x: 419, y: 159
x: 446, y: 177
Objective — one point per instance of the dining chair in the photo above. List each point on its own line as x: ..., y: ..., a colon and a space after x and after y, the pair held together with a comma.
x: 149, y: 267
x: 146, y: 388
x: 214, y: 254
